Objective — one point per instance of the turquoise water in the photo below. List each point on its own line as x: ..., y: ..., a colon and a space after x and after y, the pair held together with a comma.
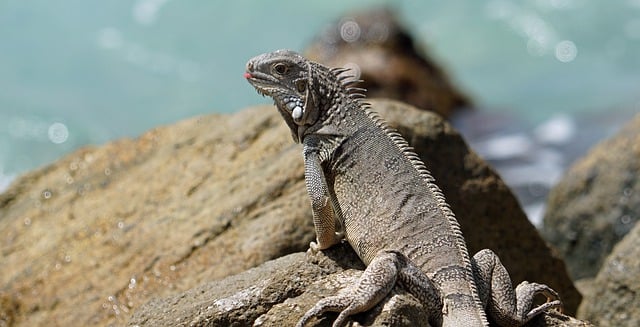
x: 77, y: 72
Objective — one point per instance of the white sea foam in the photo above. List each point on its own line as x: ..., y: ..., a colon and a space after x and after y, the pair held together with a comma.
x: 110, y: 38
x: 145, y: 12
x: 558, y: 130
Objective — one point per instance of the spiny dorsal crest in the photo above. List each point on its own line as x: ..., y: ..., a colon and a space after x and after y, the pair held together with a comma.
x: 349, y: 82
x: 334, y: 82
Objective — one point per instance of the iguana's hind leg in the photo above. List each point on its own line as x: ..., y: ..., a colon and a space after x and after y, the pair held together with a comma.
x: 375, y: 283
x: 508, y: 307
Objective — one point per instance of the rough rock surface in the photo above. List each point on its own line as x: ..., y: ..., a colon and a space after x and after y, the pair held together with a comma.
x: 376, y: 45
x: 597, y: 202
x: 279, y: 292
x: 93, y: 236
x: 614, y: 296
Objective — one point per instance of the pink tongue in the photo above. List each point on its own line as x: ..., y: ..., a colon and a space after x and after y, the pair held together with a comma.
x: 247, y: 75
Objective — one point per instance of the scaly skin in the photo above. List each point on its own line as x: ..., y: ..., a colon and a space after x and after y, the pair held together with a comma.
x: 368, y: 187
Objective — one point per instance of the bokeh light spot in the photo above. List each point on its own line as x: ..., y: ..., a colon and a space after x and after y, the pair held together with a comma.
x: 566, y: 51
x: 58, y: 133
x: 350, y: 31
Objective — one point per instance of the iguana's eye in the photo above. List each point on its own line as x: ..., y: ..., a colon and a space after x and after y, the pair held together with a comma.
x: 301, y: 85
x: 280, y: 68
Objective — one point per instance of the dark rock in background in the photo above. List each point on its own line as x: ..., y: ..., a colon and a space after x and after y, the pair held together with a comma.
x: 383, y: 54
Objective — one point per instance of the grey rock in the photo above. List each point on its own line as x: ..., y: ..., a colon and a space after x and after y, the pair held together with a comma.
x: 596, y: 203
x: 614, y: 296
x: 278, y: 292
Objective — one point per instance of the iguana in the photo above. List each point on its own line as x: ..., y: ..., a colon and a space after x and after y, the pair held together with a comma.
x: 367, y: 186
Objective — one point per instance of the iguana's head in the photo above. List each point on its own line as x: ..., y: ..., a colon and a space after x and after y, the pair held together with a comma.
x: 300, y: 89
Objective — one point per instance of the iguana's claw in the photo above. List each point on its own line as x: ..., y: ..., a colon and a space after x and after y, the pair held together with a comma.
x: 313, y: 248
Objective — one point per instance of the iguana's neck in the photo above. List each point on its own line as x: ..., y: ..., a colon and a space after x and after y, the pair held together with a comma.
x: 344, y: 111
x: 325, y: 88
x: 337, y: 105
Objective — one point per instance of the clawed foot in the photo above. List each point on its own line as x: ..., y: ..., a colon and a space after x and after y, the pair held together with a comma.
x: 372, y: 286
x: 315, y: 247
x: 553, y: 299
x: 338, y: 303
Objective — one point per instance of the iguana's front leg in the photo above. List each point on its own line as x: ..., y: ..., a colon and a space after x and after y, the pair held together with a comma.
x: 324, y: 215
x: 508, y: 307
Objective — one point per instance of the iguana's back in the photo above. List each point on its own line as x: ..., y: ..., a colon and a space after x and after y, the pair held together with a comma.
x: 389, y: 201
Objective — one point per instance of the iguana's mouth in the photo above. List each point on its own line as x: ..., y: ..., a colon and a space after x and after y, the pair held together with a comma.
x: 261, y: 82
x: 289, y: 105
x: 264, y: 85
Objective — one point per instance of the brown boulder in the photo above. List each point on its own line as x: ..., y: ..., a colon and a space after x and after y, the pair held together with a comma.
x: 596, y: 203
x: 103, y: 230
x: 383, y: 54
x: 91, y: 237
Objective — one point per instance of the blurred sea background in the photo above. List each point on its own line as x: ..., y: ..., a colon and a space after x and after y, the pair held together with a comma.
x: 550, y: 77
